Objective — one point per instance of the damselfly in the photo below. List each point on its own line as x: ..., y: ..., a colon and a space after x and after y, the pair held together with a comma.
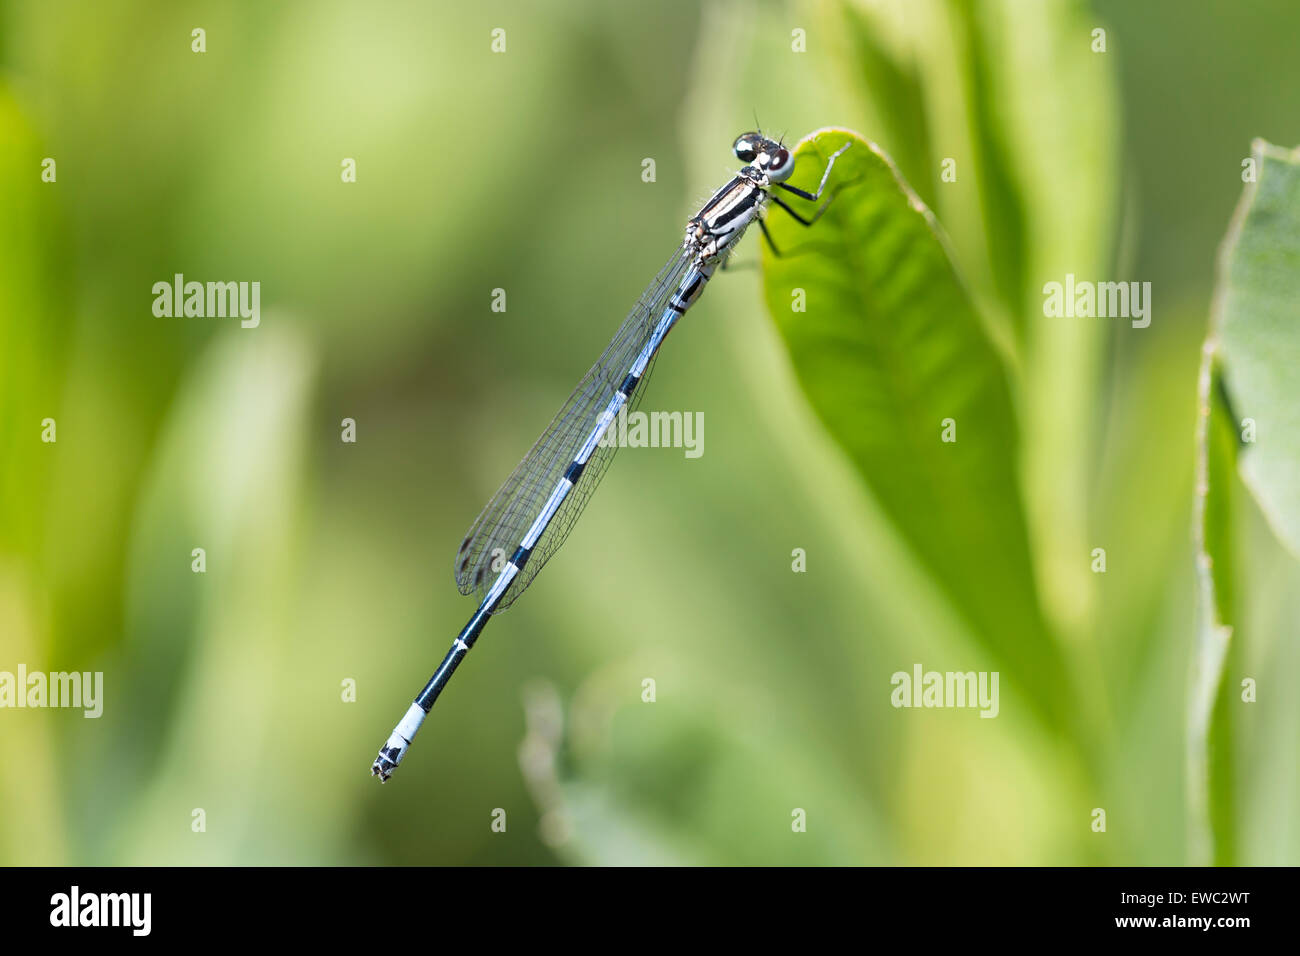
x: 531, y: 515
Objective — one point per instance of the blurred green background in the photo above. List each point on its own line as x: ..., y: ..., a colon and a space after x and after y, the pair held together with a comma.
x: 330, y: 562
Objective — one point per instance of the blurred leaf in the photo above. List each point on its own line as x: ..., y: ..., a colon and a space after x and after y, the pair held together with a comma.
x: 689, y: 780
x: 1056, y: 118
x: 1044, y: 109
x: 1247, y: 380
x: 1259, y: 331
x: 1012, y: 92
x: 1000, y: 200
x: 892, y: 80
x: 228, y: 477
x: 33, y: 321
x: 890, y: 347
x: 1210, y: 764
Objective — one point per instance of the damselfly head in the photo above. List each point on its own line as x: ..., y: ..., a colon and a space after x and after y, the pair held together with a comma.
x: 771, y: 157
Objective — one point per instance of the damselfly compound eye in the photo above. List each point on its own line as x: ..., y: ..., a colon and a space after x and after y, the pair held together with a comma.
x: 780, y: 166
x: 746, y: 147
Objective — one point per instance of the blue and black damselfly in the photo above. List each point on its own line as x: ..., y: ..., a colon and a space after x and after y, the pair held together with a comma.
x: 533, y: 512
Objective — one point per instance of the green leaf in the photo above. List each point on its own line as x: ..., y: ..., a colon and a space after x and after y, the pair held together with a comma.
x: 890, y: 348
x: 1248, y: 387
x: 1259, y: 332
x: 892, y: 82
x: 34, y: 318
x: 1012, y: 92
x: 1055, y: 122
x: 1210, y: 753
x: 1000, y: 198
x: 33, y: 321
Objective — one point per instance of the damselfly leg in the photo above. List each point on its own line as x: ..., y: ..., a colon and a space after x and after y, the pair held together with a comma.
x: 804, y: 194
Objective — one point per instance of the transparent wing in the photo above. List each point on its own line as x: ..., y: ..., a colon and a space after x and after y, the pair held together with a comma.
x: 497, y: 531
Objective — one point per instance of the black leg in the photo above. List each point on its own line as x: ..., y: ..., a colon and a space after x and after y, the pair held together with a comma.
x: 830, y: 164
x: 812, y: 197
x: 730, y: 264
x: 797, y: 218
x: 815, y: 216
x: 802, y: 194
x: 768, y: 236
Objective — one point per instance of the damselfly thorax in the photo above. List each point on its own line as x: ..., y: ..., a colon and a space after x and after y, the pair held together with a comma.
x: 712, y: 232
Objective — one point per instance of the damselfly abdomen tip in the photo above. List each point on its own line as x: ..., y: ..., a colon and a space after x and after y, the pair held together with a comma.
x: 399, y: 741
